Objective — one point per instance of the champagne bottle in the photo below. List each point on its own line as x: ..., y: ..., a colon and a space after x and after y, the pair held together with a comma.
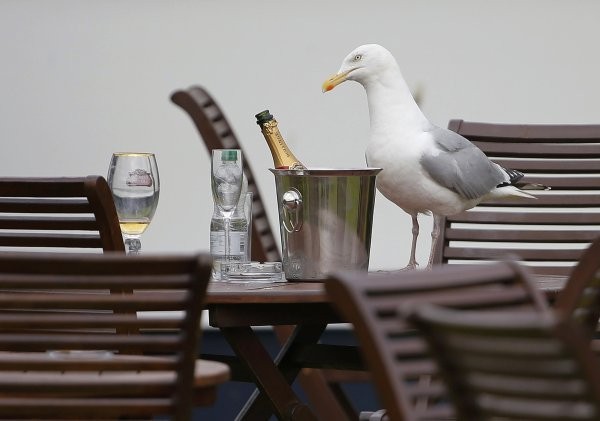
x: 283, y: 158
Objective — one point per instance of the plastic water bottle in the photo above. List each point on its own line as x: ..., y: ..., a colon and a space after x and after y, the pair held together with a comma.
x: 238, y: 235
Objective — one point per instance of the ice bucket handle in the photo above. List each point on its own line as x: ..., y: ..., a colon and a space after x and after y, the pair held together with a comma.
x: 291, y: 202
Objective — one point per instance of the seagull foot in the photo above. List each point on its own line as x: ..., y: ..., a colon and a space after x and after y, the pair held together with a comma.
x: 407, y: 267
x: 410, y: 266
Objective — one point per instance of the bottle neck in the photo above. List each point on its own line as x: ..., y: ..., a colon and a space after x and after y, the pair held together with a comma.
x: 283, y: 158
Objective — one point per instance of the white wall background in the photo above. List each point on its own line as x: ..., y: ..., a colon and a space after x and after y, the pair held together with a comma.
x: 81, y: 79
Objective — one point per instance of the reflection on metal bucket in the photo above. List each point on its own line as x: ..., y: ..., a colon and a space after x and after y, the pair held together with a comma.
x: 326, y: 218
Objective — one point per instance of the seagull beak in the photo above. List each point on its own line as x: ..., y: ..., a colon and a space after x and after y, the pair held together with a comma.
x: 334, y: 80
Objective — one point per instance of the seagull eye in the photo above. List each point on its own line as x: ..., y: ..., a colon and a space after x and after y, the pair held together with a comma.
x: 358, y: 57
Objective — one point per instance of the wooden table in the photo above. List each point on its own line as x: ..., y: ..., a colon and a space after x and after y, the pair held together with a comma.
x: 235, y: 307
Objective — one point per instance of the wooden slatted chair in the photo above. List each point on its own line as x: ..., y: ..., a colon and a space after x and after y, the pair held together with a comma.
x: 404, y: 375
x: 58, y: 213
x: 69, y: 348
x: 217, y: 133
x: 63, y: 214
x: 511, y: 366
x: 549, y: 234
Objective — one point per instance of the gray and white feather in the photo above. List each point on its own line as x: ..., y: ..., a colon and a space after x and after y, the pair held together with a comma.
x: 425, y: 168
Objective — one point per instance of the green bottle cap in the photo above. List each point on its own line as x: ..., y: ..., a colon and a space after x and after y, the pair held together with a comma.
x: 229, y: 155
x: 263, y: 117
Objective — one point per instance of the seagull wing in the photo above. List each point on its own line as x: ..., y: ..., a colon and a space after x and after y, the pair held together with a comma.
x: 460, y: 166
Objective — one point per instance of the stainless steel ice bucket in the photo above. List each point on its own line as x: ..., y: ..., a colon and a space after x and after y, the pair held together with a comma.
x: 325, y: 220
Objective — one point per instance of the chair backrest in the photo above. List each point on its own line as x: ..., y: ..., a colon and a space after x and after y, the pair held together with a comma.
x: 580, y: 297
x: 217, y: 133
x: 548, y: 233
x: 404, y: 375
x: 69, y: 348
x: 512, y: 366
x: 58, y: 213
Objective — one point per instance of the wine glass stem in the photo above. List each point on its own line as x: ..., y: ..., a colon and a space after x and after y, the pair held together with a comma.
x: 133, y: 245
x: 226, y: 223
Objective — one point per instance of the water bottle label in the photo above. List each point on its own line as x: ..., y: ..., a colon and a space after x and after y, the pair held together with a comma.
x: 237, y: 243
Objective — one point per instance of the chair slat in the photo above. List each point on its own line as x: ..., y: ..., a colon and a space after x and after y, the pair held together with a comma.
x: 577, y: 166
x: 538, y: 218
x: 96, y: 281
x: 533, y: 236
x: 554, y: 150
x: 56, y: 362
x: 547, y: 200
x: 45, y: 205
x: 67, y: 240
x: 39, y: 320
x: 115, y: 383
x: 49, y: 341
x: 503, y: 133
x: 525, y: 254
x: 588, y: 182
x: 48, y: 222
x: 49, y: 408
x: 138, y: 301
x: 42, y: 187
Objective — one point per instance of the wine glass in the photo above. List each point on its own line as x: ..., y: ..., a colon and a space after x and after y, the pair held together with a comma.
x: 226, y: 183
x: 135, y: 185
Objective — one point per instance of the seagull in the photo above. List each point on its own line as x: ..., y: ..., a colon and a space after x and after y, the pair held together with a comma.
x: 426, y: 169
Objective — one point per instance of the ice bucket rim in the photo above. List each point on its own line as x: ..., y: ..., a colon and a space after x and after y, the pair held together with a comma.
x: 328, y: 172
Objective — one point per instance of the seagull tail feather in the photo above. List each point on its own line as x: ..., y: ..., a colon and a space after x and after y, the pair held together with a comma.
x: 509, y: 191
x: 532, y: 186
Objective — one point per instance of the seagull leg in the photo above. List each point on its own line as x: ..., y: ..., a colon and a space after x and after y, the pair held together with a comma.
x: 435, y: 234
x: 412, y: 262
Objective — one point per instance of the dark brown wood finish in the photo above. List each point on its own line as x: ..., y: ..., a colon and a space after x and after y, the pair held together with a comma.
x: 71, y: 348
x: 511, y: 366
x: 580, y: 298
x: 58, y: 213
x: 548, y: 233
x: 235, y: 307
x: 403, y: 373
x: 217, y: 133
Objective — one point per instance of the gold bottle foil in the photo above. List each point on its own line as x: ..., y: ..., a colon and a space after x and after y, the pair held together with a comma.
x: 283, y: 158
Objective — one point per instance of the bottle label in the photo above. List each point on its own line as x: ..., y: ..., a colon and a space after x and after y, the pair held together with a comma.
x: 237, y: 244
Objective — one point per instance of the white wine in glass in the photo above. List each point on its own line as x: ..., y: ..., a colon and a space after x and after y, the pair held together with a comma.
x: 134, y: 181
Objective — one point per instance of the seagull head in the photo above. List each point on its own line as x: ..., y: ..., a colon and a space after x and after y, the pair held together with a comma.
x: 363, y: 63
